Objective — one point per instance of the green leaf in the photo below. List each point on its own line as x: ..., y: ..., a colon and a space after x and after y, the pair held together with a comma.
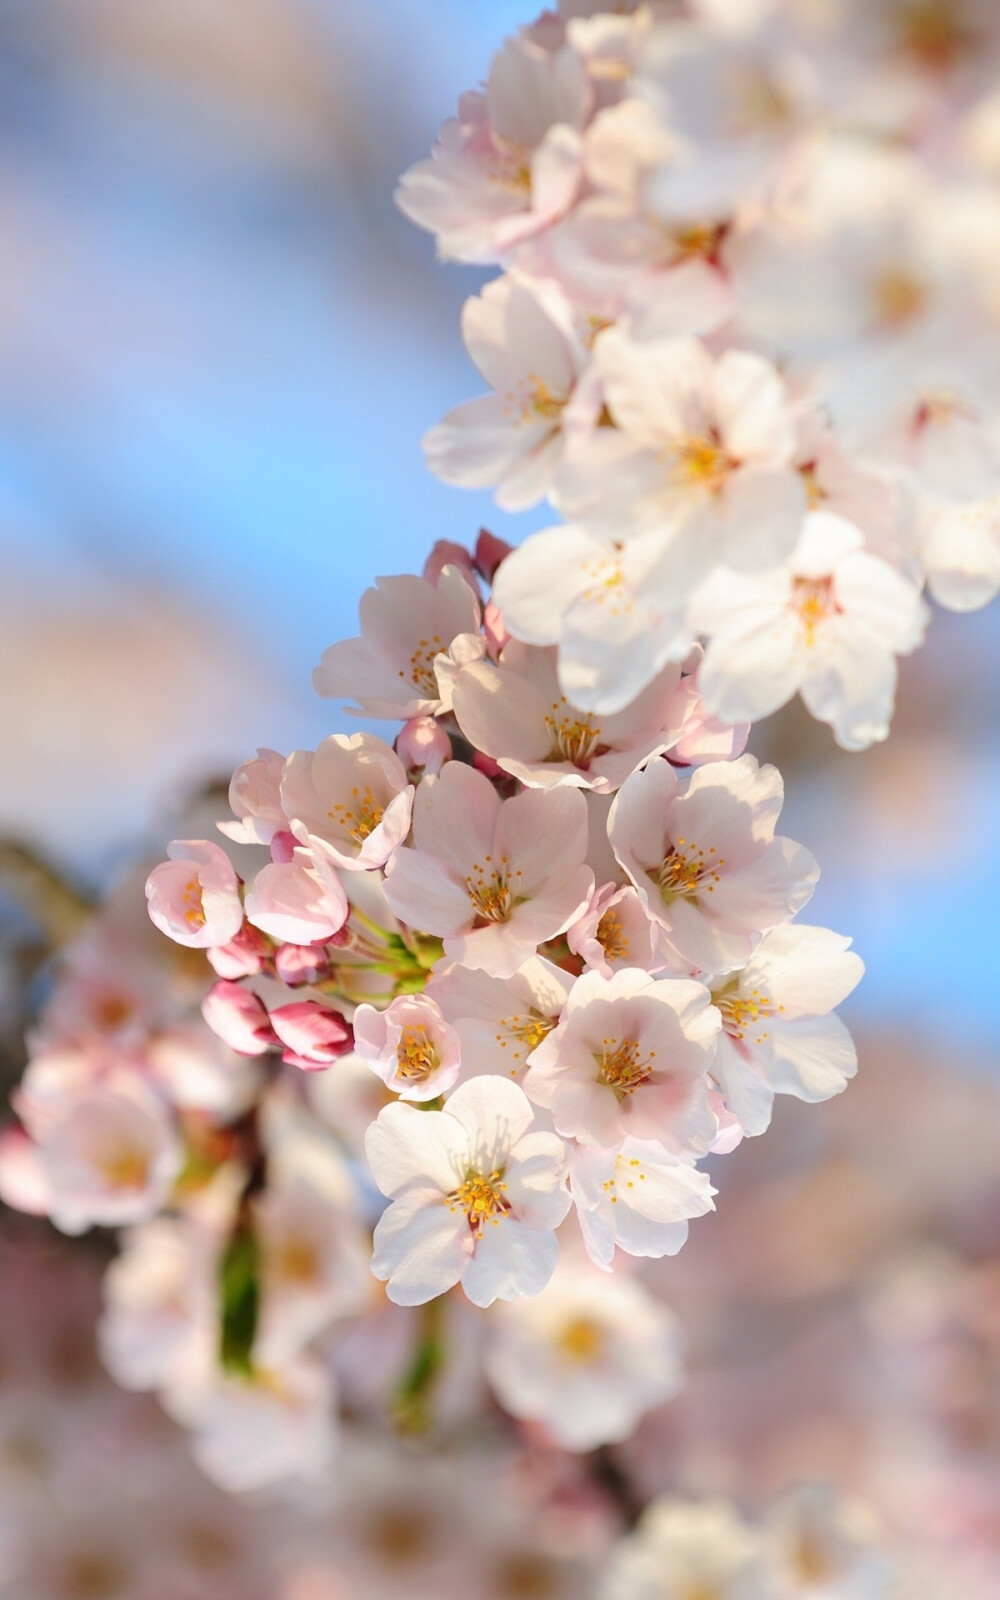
x: 239, y: 1293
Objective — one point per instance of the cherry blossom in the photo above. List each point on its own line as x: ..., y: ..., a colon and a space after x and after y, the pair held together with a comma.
x: 682, y: 1548
x: 352, y: 796
x: 829, y: 624
x: 494, y: 878
x: 194, y: 897
x: 406, y: 623
x: 255, y: 799
x: 511, y: 162
x: 475, y: 1192
x: 500, y: 1021
x: 516, y: 713
x: 778, y: 1032
x: 110, y: 1156
x: 636, y: 1196
x: 301, y: 900
x: 705, y: 860
x: 630, y: 1058
x: 410, y: 1046
x: 586, y: 1357
x: 615, y: 932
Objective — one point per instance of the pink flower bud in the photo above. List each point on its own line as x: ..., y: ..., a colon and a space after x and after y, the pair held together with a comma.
x: 487, y: 766
x: 283, y: 847
x: 243, y: 956
x: 489, y: 553
x: 302, y: 963
x: 238, y: 1018
x: 313, y: 1036
x: 423, y: 746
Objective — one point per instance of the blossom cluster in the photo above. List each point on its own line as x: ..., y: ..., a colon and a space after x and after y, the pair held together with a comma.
x: 743, y: 339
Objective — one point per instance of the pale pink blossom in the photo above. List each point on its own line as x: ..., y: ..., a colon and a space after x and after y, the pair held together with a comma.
x: 828, y: 624
x: 696, y: 735
x: 238, y: 1018
x: 704, y: 857
x: 500, y: 1021
x: 525, y: 346
x: 406, y: 623
x: 778, y: 1032
x: 301, y: 900
x: 630, y: 1057
x: 589, y: 593
x: 614, y: 932
x: 110, y: 1157
x: 685, y: 1548
x: 243, y: 955
x: 409, y: 1046
x: 510, y: 163
x: 352, y: 795
x: 476, y: 1196
x: 517, y: 713
x: 586, y: 1358
x: 635, y: 1196
x: 493, y: 878
x: 276, y: 1425
x: 194, y: 898
x: 255, y: 798
x: 960, y: 552
x: 314, y: 1259
x: 712, y: 465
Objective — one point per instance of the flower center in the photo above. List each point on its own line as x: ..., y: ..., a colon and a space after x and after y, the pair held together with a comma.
x: 416, y: 1057
x: 900, y: 297
x: 511, y: 166
x: 814, y: 600
x: 421, y: 666
x: 361, y: 817
x: 611, y: 936
x: 703, y: 464
x: 481, y: 1198
x: 297, y: 1261
x: 489, y: 890
x: 194, y: 910
x: 932, y: 32
x: 528, y: 1030
x: 582, y: 1340
x: 544, y: 403
x: 574, y: 737
x: 684, y: 869
x: 623, y: 1067
x: 743, y: 1012
x: 124, y: 1169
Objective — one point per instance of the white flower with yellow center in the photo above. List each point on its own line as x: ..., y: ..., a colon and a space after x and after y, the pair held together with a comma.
x: 778, y: 1033
x: 829, y: 624
x: 352, y: 795
x: 704, y: 858
x: 500, y: 1021
x: 409, y: 1046
x: 636, y: 1196
x: 689, y: 1550
x: 476, y: 1196
x: 630, y: 1057
x: 586, y: 1358
x: 493, y: 878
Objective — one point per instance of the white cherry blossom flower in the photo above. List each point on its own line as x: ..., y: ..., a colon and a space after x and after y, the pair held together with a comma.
x: 525, y: 346
x: 510, y: 163
x: 500, y: 1021
x: 712, y: 464
x: 589, y: 593
x: 682, y: 1549
x: 298, y: 901
x: 825, y: 1546
x: 409, y: 1046
x: 630, y: 1057
x: 517, y: 713
x: 778, y: 1034
x: 275, y: 1425
x: 476, y: 1195
x: 406, y: 622
x: 194, y: 897
x: 829, y: 624
x: 614, y: 932
x: 586, y: 1358
x: 637, y: 1196
x: 110, y: 1156
x: 705, y: 860
x: 255, y: 798
x: 494, y: 878
x: 352, y: 794
x: 960, y: 552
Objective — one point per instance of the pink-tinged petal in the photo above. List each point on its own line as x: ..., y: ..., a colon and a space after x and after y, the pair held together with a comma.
x: 543, y: 834
x: 499, y: 948
x: 806, y: 971
x: 638, y: 818
x: 501, y: 713
x: 423, y: 895
x: 510, y: 1260
x: 406, y: 1148
x: 699, y: 941
x: 769, y: 890
x: 238, y: 1018
x: 454, y: 817
x: 312, y: 1034
x: 537, y: 583
x: 749, y: 1095
x: 536, y: 1180
x: 478, y: 443
x: 421, y: 1246
x: 495, y: 1114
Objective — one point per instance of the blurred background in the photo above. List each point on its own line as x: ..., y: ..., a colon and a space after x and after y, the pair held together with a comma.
x: 219, y: 348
